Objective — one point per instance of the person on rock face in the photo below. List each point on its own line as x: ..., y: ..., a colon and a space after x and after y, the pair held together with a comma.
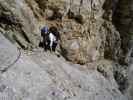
x: 54, y: 38
x: 44, y: 34
x: 50, y: 38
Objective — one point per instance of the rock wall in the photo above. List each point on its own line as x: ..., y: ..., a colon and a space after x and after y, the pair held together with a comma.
x: 43, y: 76
x: 122, y: 20
x: 90, y: 29
x: 18, y: 22
x: 87, y: 32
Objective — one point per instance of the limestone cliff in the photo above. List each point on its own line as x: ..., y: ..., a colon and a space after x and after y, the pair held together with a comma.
x: 86, y: 28
x: 43, y: 76
x: 91, y: 31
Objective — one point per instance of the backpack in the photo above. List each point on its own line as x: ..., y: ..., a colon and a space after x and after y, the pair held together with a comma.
x: 44, y: 30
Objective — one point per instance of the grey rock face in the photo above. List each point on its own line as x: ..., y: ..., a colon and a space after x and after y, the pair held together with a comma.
x: 85, y: 21
x: 43, y: 76
x: 123, y: 21
x: 87, y: 35
x: 18, y: 22
x: 8, y: 56
x: 129, y: 91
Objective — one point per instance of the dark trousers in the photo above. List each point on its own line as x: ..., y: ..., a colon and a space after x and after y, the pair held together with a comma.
x: 54, y: 46
x: 46, y: 44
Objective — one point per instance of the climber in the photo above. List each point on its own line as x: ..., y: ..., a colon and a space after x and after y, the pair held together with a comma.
x: 51, y: 38
x: 44, y: 34
x: 54, y: 38
x: 51, y: 41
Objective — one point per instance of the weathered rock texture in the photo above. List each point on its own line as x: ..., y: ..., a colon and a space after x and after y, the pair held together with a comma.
x: 122, y: 19
x: 18, y: 22
x: 43, y: 76
x: 86, y: 28
x: 90, y: 30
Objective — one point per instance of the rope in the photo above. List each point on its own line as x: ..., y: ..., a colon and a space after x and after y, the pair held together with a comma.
x: 9, y: 66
